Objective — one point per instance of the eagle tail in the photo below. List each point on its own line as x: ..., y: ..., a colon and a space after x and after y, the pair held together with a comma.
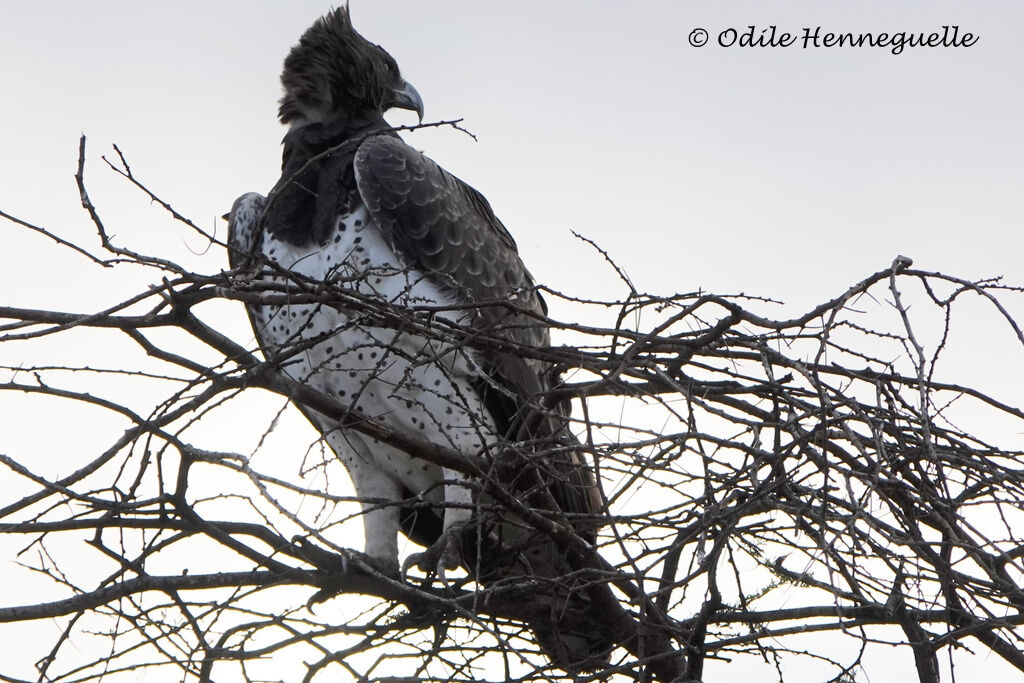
x: 562, y: 618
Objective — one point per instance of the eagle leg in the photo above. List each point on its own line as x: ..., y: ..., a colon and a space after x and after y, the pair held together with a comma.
x: 379, y: 495
x: 380, y: 526
x: 446, y: 552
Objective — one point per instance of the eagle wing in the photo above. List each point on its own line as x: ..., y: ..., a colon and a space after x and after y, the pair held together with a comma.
x: 448, y: 229
x: 243, y: 229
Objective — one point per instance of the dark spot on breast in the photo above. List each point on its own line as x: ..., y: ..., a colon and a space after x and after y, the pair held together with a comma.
x: 329, y: 349
x: 373, y: 354
x: 358, y: 239
x: 337, y: 238
x: 341, y: 392
x: 359, y: 221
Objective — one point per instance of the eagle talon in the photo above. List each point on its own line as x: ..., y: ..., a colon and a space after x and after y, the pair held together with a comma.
x: 388, y: 568
x: 444, y: 554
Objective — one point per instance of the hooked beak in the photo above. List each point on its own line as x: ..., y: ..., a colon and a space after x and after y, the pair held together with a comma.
x: 406, y: 97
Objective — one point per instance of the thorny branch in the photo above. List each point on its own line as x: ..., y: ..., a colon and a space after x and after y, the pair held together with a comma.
x: 743, y: 459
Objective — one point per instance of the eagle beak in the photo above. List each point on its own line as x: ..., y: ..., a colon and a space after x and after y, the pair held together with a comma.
x: 406, y: 97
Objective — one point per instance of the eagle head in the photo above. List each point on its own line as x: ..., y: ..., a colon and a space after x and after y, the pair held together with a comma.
x: 335, y: 72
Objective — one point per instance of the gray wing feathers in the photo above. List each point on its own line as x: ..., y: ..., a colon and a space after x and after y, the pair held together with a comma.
x: 243, y: 223
x: 441, y: 223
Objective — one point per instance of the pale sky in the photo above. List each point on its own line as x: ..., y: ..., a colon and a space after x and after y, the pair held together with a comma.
x: 785, y: 172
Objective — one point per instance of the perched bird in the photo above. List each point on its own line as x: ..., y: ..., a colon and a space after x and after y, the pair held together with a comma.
x: 358, y: 208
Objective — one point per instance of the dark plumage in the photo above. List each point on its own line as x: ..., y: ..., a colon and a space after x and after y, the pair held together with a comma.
x: 335, y: 72
x: 356, y: 202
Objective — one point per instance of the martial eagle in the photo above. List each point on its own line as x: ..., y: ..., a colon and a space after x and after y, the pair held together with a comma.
x: 358, y: 208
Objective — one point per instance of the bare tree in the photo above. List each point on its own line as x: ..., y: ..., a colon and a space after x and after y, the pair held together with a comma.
x: 767, y: 483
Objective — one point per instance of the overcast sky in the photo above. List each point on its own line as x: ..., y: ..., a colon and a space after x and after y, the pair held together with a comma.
x: 782, y: 171
x: 786, y: 171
